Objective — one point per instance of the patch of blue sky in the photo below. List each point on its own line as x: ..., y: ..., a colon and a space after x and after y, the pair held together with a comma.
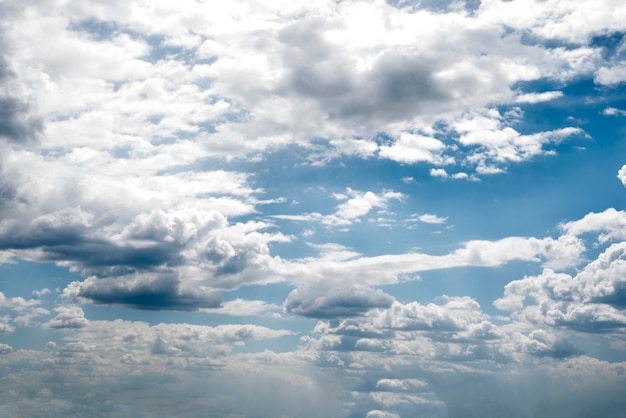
x: 22, y: 278
x: 98, y: 30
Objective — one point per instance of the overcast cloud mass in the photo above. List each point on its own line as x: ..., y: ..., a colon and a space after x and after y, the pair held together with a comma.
x: 270, y: 208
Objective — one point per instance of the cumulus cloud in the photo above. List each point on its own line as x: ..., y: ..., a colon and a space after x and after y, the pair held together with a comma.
x: 611, y: 224
x: 336, y: 302
x: 441, y: 172
x: 621, y: 175
x: 68, y: 317
x: 591, y: 301
x: 410, y: 148
x: 538, y: 97
x: 611, y: 75
x: 144, y: 291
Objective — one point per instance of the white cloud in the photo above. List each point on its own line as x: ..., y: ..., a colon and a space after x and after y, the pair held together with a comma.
x: 612, y: 111
x: 243, y: 307
x: 611, y: 75
x: 357, y: 205
x: 5, y: 328
x: 68, y: 317
x: 622, y: 175
x: 592, y: 300
x: 375, y: 413
x: 440, y: 172
x: 432, y: 219
x: 454, y: 315
x: 410, y: 148
x: 554, y: 19
x: 538, y: 97
x: 611, y: 223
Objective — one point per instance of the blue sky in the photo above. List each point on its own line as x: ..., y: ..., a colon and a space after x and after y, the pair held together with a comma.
x: 312, y: 209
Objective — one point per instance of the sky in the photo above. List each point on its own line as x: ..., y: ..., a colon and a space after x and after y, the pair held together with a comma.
x: 329, y: 208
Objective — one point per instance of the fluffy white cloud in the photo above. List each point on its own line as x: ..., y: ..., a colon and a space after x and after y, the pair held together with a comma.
x: 315, y: 72
x: 611, y: 75
x: 612, y: 111
x: 410, y: 148
x: 68, y: 317
x: 538, y: 97
x: 555, y: 19
x: 622, y: 175
x: 611, y: 224
x: 593, y: 300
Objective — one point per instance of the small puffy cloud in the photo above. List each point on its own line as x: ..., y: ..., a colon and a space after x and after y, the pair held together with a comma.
x: 611, y: 75
x: 5, y: 348
x: 4, y: 325
x: 376, y: 413
x: 621, y: 175
x: 432, y: 219
x: 613, y: 111
x: 400, y: 385
x: 441, y: 172
x: 337, y: 302
x: 538, y: 97
x: 68, y: 317
x: 412, y: 148
x: 42, y: 292
x: 357, y: 204
x: 244, y: 307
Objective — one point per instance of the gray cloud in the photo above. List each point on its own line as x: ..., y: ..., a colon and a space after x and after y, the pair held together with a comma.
x: 16, y: 122
x: 398, y: 86
x: 336, y: 303
x: 150, y: 291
